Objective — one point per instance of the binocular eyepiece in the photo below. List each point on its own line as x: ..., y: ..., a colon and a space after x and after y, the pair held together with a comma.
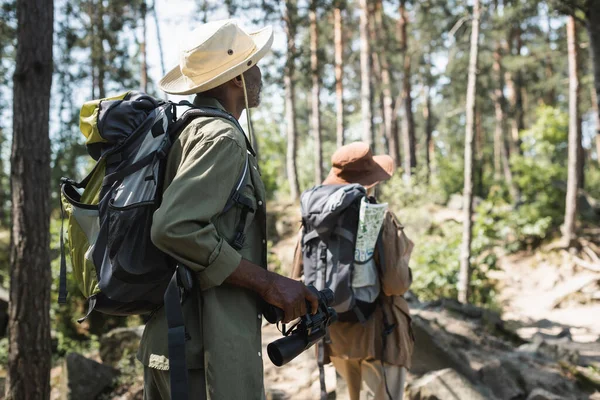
x: 310, y: 329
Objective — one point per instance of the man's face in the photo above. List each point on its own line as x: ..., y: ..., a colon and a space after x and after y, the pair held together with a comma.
x: 253, y: 78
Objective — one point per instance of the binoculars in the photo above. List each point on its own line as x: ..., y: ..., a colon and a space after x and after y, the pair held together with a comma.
x: 309, y: 330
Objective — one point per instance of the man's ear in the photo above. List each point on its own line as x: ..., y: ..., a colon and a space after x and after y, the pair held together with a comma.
x: 238, y: 81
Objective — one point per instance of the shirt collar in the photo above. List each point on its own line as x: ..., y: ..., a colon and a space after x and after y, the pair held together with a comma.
x: 205, y: 101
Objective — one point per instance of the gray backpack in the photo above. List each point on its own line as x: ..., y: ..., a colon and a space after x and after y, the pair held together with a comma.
x: 330, y: 216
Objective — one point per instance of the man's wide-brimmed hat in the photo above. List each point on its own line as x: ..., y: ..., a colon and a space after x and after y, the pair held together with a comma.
x: 213, y: 54
x: 355, y: 163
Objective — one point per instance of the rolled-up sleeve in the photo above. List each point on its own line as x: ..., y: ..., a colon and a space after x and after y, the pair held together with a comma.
x: 184, y: 224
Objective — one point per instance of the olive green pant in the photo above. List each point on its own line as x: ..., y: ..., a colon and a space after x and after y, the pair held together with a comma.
x: 158, y: 387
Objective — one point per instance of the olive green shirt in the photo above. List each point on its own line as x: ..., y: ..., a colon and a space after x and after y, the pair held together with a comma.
x: 223, y: 321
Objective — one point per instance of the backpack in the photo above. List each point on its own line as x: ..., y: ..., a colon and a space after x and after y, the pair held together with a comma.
x: 330, y: 220
x: 109, y: 214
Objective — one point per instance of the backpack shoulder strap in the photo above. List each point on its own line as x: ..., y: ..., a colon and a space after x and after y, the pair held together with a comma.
x: 196, y: 112
x: 235, y: 197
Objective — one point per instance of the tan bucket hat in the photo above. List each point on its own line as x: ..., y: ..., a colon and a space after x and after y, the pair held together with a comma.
x: 213, y: 54
x: 355, y: 163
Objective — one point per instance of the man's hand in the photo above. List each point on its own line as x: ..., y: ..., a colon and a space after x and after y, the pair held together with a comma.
x: 289, y: 295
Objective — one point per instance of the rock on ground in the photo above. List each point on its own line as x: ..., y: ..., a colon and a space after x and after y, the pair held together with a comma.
x: 445, y: 384
x: 541, y: 394
x: 83, y: 378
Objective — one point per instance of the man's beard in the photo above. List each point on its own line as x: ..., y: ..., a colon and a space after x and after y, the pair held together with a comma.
x: 254, y: 92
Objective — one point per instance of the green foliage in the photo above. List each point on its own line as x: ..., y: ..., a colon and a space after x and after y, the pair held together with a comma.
x: 523, y: 227
x: 450, y: 178
x: 401, y: 193
x: 4, y: 257
x: 64, y: 316
x: 592, y: 180
x: 272, y: 150
x: 540, y: 174
x: 67, y: 344
x: 435, y: 264
x: 4, y: 351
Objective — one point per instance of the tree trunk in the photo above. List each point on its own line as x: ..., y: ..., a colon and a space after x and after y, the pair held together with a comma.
x: 465, y: 253
x: 550, y: 95
x: 100, y: 49
x: 29, y: 359
x: 92, y: 43
x: 391, y: 133
x: 593, y: 28
x: 427, y: 117
x: 514, y: 83
x: 499, y: 113
x: 96, y: 35
x: 144, y: 66
x: 501, y: 149
x: 408, y: 124
x: 365, y: 76
x: 290, y: 95
x: 376, y: 88
x: 569, y: 228
x: 595, y: 108
x: 158, y: 39
x: 479, y: 143
x: 316, y: 89
x: 339, y: 69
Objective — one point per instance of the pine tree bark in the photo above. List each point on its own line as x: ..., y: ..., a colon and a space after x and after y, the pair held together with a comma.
x: 389, y: 117
x: 339, y: 74
x: 100, y: 49
x: 376, y: 89
x: 499, y: 114
x: 569, y: 227
x: 501, y: 146
x: 551, y: 94
x: 513, y: 84
x: 158, y: 39
x: 408, y: 124
x: 429, y: 145
x: 29, y: 359
x: 144, y: 65
x: 316, y: 89
x: 96, y: 36
x: 92, y: 43
x: 479, y: 143
x: 596, y: 108
x: 365, y: 76
x: 593, y: 28
x: 290, y: 97
x: 465, y: 253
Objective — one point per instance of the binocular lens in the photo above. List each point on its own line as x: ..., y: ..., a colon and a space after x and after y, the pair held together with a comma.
x: 286, y: 349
